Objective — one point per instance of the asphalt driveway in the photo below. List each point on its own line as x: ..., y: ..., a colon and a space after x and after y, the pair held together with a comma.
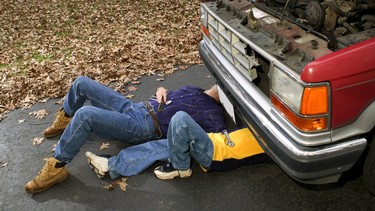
x: 258, y: 187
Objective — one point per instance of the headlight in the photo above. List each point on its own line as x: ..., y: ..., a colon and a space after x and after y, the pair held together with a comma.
x: 306, y: 106
x: 287, y: 89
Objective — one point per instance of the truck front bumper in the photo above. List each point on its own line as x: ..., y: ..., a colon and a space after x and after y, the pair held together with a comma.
x: 310, y: 165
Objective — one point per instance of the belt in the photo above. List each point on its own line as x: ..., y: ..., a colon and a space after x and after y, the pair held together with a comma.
x: 151, y: 111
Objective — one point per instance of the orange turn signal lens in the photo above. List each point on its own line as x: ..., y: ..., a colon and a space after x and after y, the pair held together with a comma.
x: 308, y: 124
x: 314, y: 101
x: 205, y: 31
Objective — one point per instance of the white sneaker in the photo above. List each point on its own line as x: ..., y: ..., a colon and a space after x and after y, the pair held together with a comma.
x: 98, y: 164
x: 167, y: 171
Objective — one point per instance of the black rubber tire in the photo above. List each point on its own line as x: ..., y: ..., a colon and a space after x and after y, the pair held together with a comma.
x: 369, y: 168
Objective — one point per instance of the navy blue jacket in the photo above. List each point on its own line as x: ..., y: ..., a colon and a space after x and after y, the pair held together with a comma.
x: 205, y: 110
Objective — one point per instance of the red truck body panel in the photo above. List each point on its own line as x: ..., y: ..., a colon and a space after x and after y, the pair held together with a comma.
x: 351, y: 73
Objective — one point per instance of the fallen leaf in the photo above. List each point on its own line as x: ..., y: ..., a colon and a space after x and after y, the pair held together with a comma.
x: 104, y: 146
x: 132, y: 88
x: 112, y: 185
x: 3, y: 164
x: 123, y: 184
x: 183, y: 67
x: 119, y: 182
x: 39, y: 114
x: 38, y: 140
x: 53, y: 147
x: 44, y: 100
x: 21, y: 121
x: 129, y: 96
x: 61, y: 101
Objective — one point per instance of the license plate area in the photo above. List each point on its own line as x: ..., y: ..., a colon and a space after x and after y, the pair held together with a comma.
x: 226, y: 104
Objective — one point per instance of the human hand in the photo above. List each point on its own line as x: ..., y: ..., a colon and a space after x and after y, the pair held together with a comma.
x: 161, y: 94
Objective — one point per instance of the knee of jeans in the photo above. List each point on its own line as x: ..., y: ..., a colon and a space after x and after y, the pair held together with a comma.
x: 180, y: 116
x: 85, y: 112
x: 81, y: 79
x: 85, y: 116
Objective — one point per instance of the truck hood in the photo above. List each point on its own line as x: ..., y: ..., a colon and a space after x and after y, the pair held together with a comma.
x: 352, y: 60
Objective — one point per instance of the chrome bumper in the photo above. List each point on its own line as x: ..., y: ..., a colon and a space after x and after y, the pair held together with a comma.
x: 310, y: 165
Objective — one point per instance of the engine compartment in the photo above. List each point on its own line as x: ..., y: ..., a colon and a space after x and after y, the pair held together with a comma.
x: 340, y: 22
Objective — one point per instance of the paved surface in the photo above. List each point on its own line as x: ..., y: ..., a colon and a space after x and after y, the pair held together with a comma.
x: 258, y: 187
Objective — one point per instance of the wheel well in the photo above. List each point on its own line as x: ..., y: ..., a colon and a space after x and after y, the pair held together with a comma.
x: 357, y: 169
x: 370, y: 136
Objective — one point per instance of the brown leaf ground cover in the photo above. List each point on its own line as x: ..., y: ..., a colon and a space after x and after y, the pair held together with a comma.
x: 45, y: 45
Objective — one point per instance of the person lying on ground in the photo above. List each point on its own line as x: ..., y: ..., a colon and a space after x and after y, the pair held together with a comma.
x: 112, y: 116
x: 213, y: 151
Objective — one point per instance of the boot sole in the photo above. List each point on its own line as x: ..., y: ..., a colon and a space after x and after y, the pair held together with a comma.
x: 58, y: 181
x: 96, y: 170
x: 53, y: 135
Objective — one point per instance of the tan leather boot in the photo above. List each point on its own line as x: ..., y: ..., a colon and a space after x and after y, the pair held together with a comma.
x: 58, y: 126
x: 48, y: 176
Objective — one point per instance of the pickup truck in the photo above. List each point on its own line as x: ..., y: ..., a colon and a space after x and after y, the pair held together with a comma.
x: 301, y: 75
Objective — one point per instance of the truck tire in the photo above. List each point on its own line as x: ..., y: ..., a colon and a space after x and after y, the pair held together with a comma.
x: 369, y: 168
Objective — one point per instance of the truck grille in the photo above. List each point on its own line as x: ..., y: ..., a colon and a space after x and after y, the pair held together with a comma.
x: 232, y: 47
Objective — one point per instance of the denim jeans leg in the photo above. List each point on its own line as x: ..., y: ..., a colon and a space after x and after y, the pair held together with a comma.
x: 135, y: 126
x: 135, y: 159
x: 84, y: 88
x: 187, y: 139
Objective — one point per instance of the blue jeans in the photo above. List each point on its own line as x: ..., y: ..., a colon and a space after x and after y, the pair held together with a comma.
x: 187, y: 139
x: 135, y: 159
x: 112, y: 116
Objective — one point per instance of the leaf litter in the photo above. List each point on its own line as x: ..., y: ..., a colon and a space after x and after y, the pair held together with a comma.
x: 122, y: 183
x: 38, y: 140
x: 40, y: 114
x: 45, y: 46
x: 132, y: 88
x: 104, y: 146
x: 3, y: 164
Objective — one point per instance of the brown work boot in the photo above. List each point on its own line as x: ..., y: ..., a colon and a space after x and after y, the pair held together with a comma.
x: 58, y: 126
x: 52, y: 172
